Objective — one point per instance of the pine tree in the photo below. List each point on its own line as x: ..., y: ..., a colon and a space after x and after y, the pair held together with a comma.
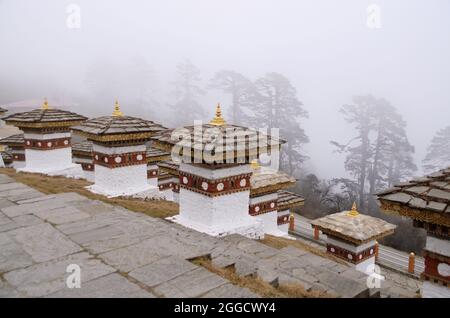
x: 187, y: 91
x: 438, y: 155
x: 277, y: 106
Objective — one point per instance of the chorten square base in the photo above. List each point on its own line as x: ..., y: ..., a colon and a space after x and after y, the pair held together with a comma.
x: 362, y: 257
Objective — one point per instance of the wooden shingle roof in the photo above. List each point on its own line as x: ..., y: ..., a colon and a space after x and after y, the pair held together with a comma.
x: 425, y: 199
x: 83, y: 148
x: 287, y: 200
x: 16, y: 140
x: 110, y: 128
x: 44, y: 117
x: 266, y: 180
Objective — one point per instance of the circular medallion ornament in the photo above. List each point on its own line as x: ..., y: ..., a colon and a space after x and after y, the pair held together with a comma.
x: 28, y: 142
x: 106, y: 159
x: 118, y: 159
x: 257, y: 208
x: 349, y: 256
x: 89, y: 166
x: 16, y: 157
x: 371, y: 251
x: 49, y: 144
x: 153, y: 172
x: 220, y: 186
x: 332, y: 250
x: 272, y: 205
x: 96, y: 157
x: 66, y: 142
x: 139, y: 157
x: 443, y: 269
x: 360, y: 256
x: 185, y: 180
x: 205, y: 185
x: 39, y: 144
x: 243, y: 183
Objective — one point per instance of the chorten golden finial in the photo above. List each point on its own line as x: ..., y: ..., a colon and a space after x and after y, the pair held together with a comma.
x: 255, y: 164
x: 218, y: 120
x: 45, y: 104
x: 117, y: 111
x: 353, y: 211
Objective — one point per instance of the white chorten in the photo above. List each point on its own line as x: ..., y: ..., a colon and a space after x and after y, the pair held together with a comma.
x: 47, y: 138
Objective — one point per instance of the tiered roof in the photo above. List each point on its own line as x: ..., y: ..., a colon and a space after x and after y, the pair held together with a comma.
x: 219, y: 139
x: 82, y: 149
x: 169, y: 166
x: 117, y: 127
x: 425, y: 199
x: 288, y: 200
x: 353, y: 226
x: 16, y: 140
x: 44, y: 117
x: 156, y: 155
x: 266, y: 180
x: 2, y: 110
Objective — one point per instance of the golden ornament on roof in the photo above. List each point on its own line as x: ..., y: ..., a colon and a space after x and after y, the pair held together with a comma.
x: 218, y: 120
x: 45, y: 104
x: 117, y: 111
x: 255, y: 164
x: 353, y: 211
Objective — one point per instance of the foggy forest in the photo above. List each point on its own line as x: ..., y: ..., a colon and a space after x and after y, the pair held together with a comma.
x: 359, y: 90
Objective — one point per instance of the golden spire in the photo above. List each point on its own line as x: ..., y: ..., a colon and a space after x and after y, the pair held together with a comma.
x: 218, y: 120
x: 45, y: 104
x: 353, y: 211
x: 117, y: 111
x: 255, y: 164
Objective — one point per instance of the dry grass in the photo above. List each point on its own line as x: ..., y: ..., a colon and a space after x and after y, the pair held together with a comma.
x: 59, y: 184
x: 257, y: 285
x: 279, y: 242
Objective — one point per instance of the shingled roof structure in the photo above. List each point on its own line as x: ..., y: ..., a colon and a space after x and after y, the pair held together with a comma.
x: 155, y: 155
x: 16, y: 140
x: 7, y: 157
x: 2, y: 110
x: 425, y: 199
x: 44, y: 117
x: 110, y: 128
x: 266, y: 180
x: 218, y: 139
x: 354, y: 227
x: 169, y: 166
x: 83, y: 148
x: 288, y: 200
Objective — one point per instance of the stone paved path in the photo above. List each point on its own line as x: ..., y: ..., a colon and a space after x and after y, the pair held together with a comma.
x: 127, y: 254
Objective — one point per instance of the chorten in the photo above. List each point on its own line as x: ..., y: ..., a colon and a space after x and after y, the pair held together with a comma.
x: 47, y: 138
x: 214, y: 175
x: 15, y: 143
x: 265, y: 184
x: 154, y: 156
x: 119, y: 151
x: 352, y: 236
x: 82, y: 155
x: 426, y: 201
x: 168, y: 183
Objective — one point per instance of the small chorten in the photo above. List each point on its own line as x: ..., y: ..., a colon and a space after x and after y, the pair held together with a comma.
x: 15, y: 143
x: 119, y: 153
x: 352, y: 236
x: 47, y: 138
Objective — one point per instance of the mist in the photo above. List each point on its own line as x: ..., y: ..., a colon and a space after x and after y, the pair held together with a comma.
x: 325, y: 48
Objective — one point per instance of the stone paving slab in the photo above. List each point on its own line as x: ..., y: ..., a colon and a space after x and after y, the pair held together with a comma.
x: 18, y: 222
x: 43, y: 242
x: 230, y: 291
x: 60, y: 216
x: 194, y: 283
x: 48, y: 277
x: 109, y: 286
x: 161, y: 270
x: 12, y: 255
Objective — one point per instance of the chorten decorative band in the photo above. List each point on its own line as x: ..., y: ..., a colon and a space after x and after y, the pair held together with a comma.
x: 215, y: 187
x: 18, y: 156
x: 283, y: 219
x: 262, y: 207
x: 166, y: 186
x: 47, y: 144
x: 120, y: 160
x: 87, y: 166
x: 152, y: 173
x: 350, y: 256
